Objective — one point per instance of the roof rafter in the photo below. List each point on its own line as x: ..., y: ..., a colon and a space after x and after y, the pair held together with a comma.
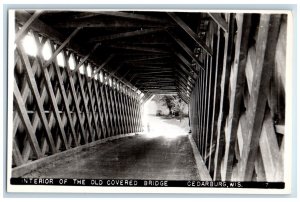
x: 125, y: 34
x: 219, y: 20
x: 138, y: 48
x: 186, y: 49
x: 190, y: 32
x: 121, y: 14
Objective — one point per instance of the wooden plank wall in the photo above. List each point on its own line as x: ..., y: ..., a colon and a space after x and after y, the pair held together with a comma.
x: 237, y: 107
x: 57, y: 108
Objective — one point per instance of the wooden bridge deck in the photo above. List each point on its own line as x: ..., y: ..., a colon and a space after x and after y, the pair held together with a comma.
x: 135, y: 157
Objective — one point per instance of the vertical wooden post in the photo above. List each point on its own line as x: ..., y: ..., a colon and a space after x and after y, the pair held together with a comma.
x: 216, y: 97
x: 198, y: 107
x: 224, y: 102
x: 208, y: 116
x: 200, y: 111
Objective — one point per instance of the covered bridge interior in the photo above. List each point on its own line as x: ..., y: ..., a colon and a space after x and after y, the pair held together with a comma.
x: 102, y: 66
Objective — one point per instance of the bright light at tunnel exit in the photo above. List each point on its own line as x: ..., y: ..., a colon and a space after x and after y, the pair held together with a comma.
x: 155, y: 127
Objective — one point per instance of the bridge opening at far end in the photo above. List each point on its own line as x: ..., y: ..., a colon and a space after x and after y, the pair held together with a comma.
x: 166, y: 116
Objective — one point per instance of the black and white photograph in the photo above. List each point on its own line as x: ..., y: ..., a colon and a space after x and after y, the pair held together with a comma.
x: 177, y: 100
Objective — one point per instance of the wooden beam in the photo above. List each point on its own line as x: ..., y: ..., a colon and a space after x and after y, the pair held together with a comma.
x: 65, y: 98
x: 25, y: 93
x: 85, y: 58
x: 125, y: 111
x: 138, y: 48
x: 50, y: 92
x: 116, y: 70
x: 128, y: 55
x: 238, y: 80
x: 224, y: 102
x: 183, y: 97
x: 63, y: 45
x: 193, y: 75
x: 145, y: 58
x: 182, y: 86
x: 265, y: 60
x: 165, y: 73
x: 149, y: 71
x: 133, y: 76
x: 141, y: 42
x: 111, y: 23
x: 212, y: 69
x: 26, y: 121
x: 153, y: 63
x: 121, y: 111
x: 184, y: 80
x: 217, y: 95
x: 129, y: 111
x: 184, y: 60
x: 157, y: 78
x: 191, y: 33
x: 125, y: 82
x: 34, y: 89
x: 96, y: 71
x: 152, y: 82
x: 183, y: 92
x: 201, y: 107
x: 45, y: 30
x: 113, y: 110
x: 219, y: 20
x: 91, y: 96
x: 150, y: 66
x: 104, y: 107
x: 186, y: 49
x: 102, y: 118
x: 125, y: 35
x: 25, y: 26
x: 158, y: 87
x: 150, y: 39
x: 121, y: 14
x: 17, y: 156
x: 147, y: 97
x: 73, y: 94
x: 163, y: 91
x: 109, y: 107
